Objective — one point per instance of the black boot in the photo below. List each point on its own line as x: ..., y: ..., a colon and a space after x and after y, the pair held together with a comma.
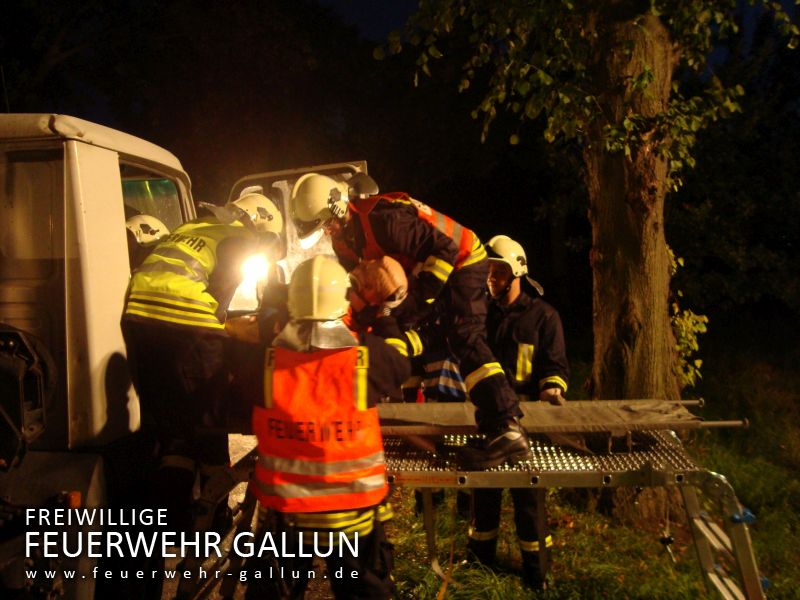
x: 534, y: 569
x: 484, y: 551
x: 508, y: 443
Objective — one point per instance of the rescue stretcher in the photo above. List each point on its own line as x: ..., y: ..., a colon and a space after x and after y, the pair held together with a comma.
x: 584, y: 444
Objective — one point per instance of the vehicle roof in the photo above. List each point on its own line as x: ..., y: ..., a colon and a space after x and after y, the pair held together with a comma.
x: 41, y: 125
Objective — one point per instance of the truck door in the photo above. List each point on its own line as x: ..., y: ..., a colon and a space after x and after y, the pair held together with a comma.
x: 277, y: 185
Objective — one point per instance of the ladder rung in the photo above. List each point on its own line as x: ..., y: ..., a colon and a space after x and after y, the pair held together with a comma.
x: 726, y: 587
x: 715, y: 536
x: 721, y: 535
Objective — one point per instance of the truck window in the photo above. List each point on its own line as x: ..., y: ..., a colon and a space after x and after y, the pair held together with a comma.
x: 150, y: 194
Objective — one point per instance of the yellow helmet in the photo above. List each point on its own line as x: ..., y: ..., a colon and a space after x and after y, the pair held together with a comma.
x: 315, y: 199
x: 502, y: 248
x: 318, y: 290
x: 146, y: 229
x: 262, y: 212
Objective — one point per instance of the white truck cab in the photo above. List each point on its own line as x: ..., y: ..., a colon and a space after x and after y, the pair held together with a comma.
x: 67, y: 406
x: 66, y: 189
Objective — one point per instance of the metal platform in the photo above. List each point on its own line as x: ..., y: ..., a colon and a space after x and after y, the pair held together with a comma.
x: 604, y: 444
x: 646, y: 458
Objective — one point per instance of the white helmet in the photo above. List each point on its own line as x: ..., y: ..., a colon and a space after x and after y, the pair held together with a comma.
x: 146, y: 229
x: 502, y: 248
x: 262, y: 212
x: 318, y: 290
x: 316, y: 199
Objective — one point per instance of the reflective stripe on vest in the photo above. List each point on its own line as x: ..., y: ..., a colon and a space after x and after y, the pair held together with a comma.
x: 470, y: 249
x: 320, y: 447
x: 172, y: 283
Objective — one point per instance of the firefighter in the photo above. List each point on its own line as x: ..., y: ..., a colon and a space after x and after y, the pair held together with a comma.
x: 144, y: 232
x: 173, y: 326
x: 525, y: 334
x: 451, y: 268
x: 321, y: 463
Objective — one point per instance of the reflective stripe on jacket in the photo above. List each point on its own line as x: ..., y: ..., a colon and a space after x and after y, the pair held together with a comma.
x: 470, y: 249
x: 528, y: 340
x: 172, y: 283
x: 320, y: 447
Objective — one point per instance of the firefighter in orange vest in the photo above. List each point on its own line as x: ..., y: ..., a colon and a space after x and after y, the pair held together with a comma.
x: 321, y: 463
x: 451, y: 268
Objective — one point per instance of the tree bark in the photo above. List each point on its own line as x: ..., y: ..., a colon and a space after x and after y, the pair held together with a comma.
x: 634, y: 348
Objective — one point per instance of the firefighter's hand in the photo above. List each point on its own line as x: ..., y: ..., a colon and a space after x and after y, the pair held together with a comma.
x: 244, y: 329
x: 553, y: 396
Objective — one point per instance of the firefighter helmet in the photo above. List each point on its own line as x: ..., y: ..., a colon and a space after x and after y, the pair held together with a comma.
x: 361, y: 186
x: 262, y: 212
x: 503, y: 249
x: 318, y: 290
x: 315, y: 200
x: 146, y: 229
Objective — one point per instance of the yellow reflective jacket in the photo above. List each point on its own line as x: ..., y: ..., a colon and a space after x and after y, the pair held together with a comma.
x: 172, y: 284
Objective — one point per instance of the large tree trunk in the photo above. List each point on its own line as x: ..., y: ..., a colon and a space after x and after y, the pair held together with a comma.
x: 633, y: 343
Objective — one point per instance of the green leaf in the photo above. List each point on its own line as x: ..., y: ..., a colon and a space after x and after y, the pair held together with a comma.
x: 544, y: 78
x: 378, y: 53
x: 434, y: 52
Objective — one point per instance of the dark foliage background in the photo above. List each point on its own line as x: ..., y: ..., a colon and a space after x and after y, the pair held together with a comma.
x: 258, y: 85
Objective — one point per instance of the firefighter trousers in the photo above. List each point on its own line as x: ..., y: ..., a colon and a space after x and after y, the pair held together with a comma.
x: 181, y: 379
x: 366, y: 575
x: 530, y: 520
x: 464, y: 321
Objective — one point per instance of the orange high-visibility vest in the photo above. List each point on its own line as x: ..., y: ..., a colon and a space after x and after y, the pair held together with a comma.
x: 470, y: 250
x: 320, y: 447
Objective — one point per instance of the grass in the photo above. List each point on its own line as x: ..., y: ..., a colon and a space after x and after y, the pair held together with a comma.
x: 596, y: 556
x: 592, y: 558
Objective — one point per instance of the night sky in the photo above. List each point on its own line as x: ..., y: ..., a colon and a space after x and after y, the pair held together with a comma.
x: 373, y: 18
